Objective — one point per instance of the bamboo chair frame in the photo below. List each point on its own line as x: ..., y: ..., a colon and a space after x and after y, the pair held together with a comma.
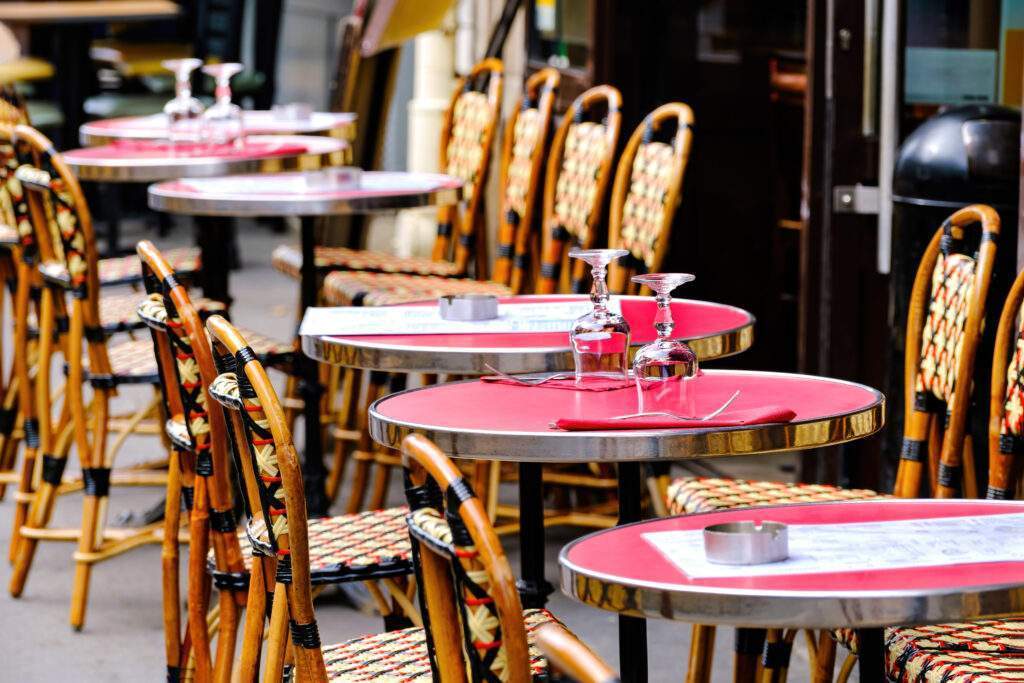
x: 648, y: 260
x: 62, y: 232
x: 277, y: 510
x: 516, y: 237
x: 556, y: 235
x: 924, y: 438
x: 567, y: 654
x: 187, y: 368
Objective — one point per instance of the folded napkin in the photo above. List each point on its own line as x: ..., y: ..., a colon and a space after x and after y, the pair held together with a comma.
x: 568, y: 383
x: 730, y: 418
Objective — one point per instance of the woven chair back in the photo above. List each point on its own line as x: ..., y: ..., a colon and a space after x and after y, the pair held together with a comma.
x: 472, y: 612
x: 646, y: 193
x: 277, y: 527
x: 467, y: 135
x: 526, y: 138
x: 579, y: 166
x: 1006, y: 409
x: 947, y: 308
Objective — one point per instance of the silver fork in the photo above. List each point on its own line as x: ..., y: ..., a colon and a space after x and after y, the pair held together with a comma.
x: 529, y: 381
x: 713, y: 414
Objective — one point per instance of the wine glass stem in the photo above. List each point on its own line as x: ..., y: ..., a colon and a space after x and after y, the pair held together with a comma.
x: 663, y: 322
x: 223, y: 92
x: 599, y: 291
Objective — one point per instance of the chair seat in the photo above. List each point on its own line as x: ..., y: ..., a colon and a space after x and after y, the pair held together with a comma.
x: 25, y: 69
x: 125, y: 269
x: 983, y: 651
x: 119, y: 312
x: 287, y: 258
x: 402, y: 655
x: 8, y: 236
x: 358, y: 546
x: 687, y: 495
x: 356, y: 288
x: 131, y: 362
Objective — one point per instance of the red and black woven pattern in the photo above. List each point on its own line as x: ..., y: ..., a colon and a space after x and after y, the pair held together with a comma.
x: 977, y: 652
x: 688, y: 495
x: 646, y: 206
x: 287, y: 258
x: 943, y: 335
x: 1013, y: 408
x: 344, y: 288
x: 362, y: 545
x: 399, y: 656
x: 586, y: 146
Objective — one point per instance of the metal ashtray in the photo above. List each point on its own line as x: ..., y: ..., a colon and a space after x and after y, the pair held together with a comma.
x: 468, y: 307
x: 746, y: 543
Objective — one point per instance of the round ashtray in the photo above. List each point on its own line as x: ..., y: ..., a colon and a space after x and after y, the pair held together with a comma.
x: 467, y: 307
x: 746, y: 543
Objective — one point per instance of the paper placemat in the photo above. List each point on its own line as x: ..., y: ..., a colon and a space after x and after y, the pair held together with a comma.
x: 828, y: 548
x: 556, y: 316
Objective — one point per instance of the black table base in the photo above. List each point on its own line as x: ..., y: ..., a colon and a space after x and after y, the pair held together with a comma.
x: 534, y: 589
x: 871, y: 655
x: 632, y: 630
x: 314, y: 473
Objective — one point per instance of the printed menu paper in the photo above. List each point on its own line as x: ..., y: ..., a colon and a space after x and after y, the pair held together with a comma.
x: 554, y: 316
x: 824, y: 548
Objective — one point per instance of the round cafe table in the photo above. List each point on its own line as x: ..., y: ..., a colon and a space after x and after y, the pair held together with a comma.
x: 307, y: 196
x: 258, y: 122
x: 712, y: 330
x: 621, y: 571
x: 501, y: 421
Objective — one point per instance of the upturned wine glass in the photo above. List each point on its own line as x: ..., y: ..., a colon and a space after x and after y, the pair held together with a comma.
x: 184, y: 111
x: 223, y: 120
x: 600, y: 339
x: 662, y: 368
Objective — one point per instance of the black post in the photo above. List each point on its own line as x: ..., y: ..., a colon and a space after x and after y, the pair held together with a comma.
x: 632, y: 630
x: 313, y: 471
x: 871, y: 655
x: 534, y: 589
x: 215, y: 237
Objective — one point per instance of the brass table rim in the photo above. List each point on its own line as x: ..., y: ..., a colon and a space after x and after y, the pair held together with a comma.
x: 162, y: 198
x: 353, y: 352
x: 637, y: 445
x: 753, y: 608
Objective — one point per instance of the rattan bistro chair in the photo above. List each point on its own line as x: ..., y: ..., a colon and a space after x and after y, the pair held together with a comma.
x: 466, y: 140
x: 943, y: 332
x: 648, y: 183
x: 476, y: 628
x: 579, y: 167
x: 284, y: 552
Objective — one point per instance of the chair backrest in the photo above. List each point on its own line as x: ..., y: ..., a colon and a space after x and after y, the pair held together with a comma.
x: 470, y: 605
x: 646, y: 193
x: 1006, y: 409
x: 277, y: 527
x: 579, y: 166
x: 466, y: 140
x: 65, y: 243
x: 943, y: 330
x: 571, y: 660
x: 526, y: 138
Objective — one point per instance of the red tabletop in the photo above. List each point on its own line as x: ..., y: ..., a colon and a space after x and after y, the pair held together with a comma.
x: 509, y: 422
x: 618, y: 570
x: 713, y: 330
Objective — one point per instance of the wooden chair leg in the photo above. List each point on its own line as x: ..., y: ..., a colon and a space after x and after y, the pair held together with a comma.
x: 363, y: 456
x: 970, y: 483
x: 169, y: 560
x: 346, y: 419
x: 847, y: 668
x: 198, y: 580
x: 910, y: 470
x: 824, y: 663
x: 702, y: 652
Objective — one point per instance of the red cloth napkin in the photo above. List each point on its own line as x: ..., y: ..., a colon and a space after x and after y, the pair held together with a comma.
x: 730, y: 418
x: 150, y: 149
x: 569, y: 383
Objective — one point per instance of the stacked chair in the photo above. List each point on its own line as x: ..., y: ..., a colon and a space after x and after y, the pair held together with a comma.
x: 73, y: 315
x: 943, y: 332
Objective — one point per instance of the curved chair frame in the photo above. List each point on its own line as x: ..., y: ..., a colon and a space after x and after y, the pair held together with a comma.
x: 469, y: 226
x: 576, y: 661
x: 515, y: 230
x: 620, y: 271
x: 556, y: 235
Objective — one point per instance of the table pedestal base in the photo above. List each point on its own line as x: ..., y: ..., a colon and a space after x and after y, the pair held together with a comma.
x: 534, y: 589
x: 632, y: 630
x: 871, y: 655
